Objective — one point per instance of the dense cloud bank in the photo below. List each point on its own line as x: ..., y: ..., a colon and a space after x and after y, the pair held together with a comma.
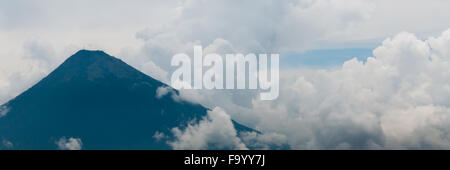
x: 397, y: 99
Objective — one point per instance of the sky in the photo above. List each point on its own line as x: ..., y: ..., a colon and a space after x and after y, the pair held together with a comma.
x: 354, y: 74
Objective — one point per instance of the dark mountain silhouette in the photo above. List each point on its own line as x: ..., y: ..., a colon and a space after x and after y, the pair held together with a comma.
x: 99, y: 99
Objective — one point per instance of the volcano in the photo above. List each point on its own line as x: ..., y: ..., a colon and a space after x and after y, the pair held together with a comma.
x: 99, y: 99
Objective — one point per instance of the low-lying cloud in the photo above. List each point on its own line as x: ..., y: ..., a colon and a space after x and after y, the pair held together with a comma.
x: 4, y: 110
x: 214, y: 131
x: 69, y: 143
x: 397, y: 99
x: 6, y: 144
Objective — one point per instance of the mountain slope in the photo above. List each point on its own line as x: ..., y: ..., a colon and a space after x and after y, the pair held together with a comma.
x: 99, y: 99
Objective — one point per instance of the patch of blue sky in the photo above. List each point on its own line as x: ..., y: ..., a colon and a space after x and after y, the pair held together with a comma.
x: 324, y: 58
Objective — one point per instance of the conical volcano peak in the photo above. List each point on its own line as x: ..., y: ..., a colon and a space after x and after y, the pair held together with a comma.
x: 100, y: 100
x: 88, y: 57
x: 91, y: 51
x: 93, y: 65
x: 87, y: 52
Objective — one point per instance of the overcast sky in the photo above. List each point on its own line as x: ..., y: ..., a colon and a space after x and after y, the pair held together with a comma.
x: 396, y: 99
x: 113, y: 24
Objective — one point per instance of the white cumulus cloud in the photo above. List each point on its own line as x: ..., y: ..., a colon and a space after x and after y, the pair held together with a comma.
x: 69, y: 143
x: 397, y: 99
x: 214, y: 131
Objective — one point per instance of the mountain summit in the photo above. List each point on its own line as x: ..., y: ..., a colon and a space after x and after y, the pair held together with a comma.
x: 97, y: 98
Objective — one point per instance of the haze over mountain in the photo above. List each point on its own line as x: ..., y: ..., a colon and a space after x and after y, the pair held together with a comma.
x: 99, y: 99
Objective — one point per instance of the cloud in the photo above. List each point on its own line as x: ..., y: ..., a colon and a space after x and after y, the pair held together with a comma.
x: 69, y: 144
x: 162, y: 91
x: 158, y: 136
x: 264, y: 141
x: 397, y: 99
x: 266, y: 27
x: 4, y: 110
x: 166, y: 90
x: 154, y: 71
x: 6, y: 144
x: 249, y: 26
x: 20, y: 70
x: 214, y: 131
